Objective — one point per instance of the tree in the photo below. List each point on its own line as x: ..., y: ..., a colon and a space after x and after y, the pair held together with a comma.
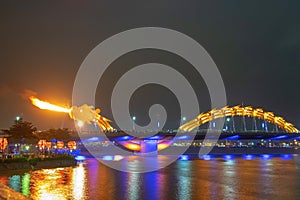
x: 58, y: 134
x: 21, y: 130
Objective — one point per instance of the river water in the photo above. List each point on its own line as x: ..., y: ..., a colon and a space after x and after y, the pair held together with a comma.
x: 228, y: 177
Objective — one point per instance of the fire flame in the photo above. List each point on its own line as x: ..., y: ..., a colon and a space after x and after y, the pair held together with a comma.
x: 44, y: 105
x: 82, y: 114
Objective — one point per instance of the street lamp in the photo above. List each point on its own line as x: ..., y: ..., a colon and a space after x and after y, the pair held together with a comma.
x: 183, y: 120
x: 133, y: 122
x: 18, y: 118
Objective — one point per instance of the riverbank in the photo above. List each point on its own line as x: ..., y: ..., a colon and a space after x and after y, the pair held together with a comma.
x: 8, y: 193
x: 24, y: 163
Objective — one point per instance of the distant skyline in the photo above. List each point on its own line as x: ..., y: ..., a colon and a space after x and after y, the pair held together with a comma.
x: 255, y: 45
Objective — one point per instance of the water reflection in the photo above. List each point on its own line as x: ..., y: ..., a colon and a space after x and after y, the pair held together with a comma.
x: 133, y: 188
x: 26, y: 184
x: 59, y: 183
x: 224, y: 177
x: 20, y: 183
x: 229, y: 179
x: 15, y: 182
x: 149, y: 185
x: 184, y: 179
x: 78, y: 180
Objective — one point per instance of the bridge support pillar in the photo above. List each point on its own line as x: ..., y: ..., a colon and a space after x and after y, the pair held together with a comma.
x: 254, y: 124
x: 149, y: 146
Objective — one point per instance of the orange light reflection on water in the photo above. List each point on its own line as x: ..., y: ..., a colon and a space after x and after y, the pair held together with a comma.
x: 78, y: 180
x: 57, y: 183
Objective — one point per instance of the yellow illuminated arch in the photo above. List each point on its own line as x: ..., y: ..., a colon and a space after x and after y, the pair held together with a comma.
x: 238, y: 111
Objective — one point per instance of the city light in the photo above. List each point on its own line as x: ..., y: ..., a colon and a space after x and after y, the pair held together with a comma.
x: 133, y: 122
x: 184, y: 157
x: 248, y: 157
x: 228, y: 157
x: 206, y: 157
x: 80, y: 158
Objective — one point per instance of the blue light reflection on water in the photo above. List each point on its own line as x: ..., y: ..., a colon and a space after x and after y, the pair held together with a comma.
x: 15, y: 182
x: 228, y: 157
x: 150, y: 181
x: 108, y: 158
x: 230, y: 176
x: 266, y: 156
x: 248, y: 157
x: 184, y: 157
x: 206, y: 157
x: 80, y: 158
x: 286, y: 156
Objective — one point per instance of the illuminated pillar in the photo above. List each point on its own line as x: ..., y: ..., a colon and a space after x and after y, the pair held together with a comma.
x: 276, y: 128
x: 254, y: 124
x: 233, y: 124
x: 149, y: 146
x: 244, y: 123
x: 266, y: 125
x: 226, y: 124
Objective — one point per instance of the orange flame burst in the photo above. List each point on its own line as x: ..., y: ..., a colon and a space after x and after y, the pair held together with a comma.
x: 82, y: 114
x: 48, y: 106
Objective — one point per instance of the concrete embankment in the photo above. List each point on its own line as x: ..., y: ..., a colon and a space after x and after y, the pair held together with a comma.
x: 37, y: 165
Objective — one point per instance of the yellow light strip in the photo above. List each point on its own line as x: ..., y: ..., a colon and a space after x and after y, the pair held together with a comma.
x: 238, y: 110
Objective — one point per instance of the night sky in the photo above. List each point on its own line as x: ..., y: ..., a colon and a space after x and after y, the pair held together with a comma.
x: 256, y: 46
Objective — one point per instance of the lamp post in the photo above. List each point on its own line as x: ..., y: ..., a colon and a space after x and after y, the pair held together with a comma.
x: 226, y: 124
x: 133, y: 122
x: 183, y: 120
